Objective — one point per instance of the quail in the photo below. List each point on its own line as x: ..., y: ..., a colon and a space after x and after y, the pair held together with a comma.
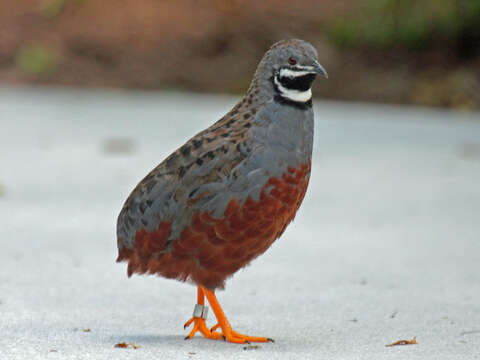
x: 229, y: 192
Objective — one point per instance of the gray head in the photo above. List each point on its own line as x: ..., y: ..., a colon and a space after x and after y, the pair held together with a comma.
x: 288, y: 69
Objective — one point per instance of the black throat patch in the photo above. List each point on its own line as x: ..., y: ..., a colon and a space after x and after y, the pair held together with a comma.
x: 299, y: 83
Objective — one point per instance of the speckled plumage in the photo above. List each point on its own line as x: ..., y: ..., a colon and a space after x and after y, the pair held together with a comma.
x: 222, y: 198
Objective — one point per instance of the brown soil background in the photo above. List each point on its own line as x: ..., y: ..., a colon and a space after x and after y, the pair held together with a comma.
x: 214, y: 46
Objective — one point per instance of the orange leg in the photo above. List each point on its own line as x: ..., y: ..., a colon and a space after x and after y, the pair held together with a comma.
x: 227, y: 333
x: 199, y: 321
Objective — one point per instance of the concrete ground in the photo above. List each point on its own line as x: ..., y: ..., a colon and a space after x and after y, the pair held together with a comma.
x: 385, y: 247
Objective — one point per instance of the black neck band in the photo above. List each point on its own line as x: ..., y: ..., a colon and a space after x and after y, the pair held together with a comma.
x: 299, y: 83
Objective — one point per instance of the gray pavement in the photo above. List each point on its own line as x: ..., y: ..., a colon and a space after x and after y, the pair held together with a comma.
x: 385, y: 247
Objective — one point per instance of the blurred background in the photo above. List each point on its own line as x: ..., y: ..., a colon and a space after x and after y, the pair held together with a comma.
x: 423, y: 52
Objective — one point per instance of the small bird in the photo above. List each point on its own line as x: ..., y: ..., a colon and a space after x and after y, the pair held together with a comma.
x: 229, y: 192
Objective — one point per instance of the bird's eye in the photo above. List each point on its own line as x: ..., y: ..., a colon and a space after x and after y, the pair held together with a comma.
x: 291, y: 60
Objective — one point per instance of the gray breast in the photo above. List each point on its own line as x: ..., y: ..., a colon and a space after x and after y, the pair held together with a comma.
x: 281, y: 136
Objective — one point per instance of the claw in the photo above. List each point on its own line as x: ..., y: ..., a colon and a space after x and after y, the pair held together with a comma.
x: 187, y: 324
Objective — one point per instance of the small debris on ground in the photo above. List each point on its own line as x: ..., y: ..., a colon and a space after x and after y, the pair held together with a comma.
x: 53, y: 350
x: 87, y: 330
x: 124, y: 345
x: 353, y: 320
x: 393, y: 314
x: 470, y: 332
x: 252, y: 347
x: 404, y: 342
x: 192, y: 353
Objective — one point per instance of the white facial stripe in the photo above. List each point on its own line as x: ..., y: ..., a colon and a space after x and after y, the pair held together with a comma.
x: 294, y: 95
x: 294, y: 73
x: 308, y: 68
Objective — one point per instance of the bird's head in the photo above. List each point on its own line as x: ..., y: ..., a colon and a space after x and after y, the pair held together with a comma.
x: 292, y: 66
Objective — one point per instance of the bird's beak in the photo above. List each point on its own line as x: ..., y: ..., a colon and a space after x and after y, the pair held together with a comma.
x: 319, y: 69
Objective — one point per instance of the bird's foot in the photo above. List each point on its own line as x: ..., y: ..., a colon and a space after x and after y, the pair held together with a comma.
x: 199, y: 316
x: 200, y: 325
x: 230, y: 335
x: 200, y: 313
x: 226, y: 334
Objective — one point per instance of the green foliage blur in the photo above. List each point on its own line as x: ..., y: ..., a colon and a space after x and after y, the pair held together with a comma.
x: 37, y: 59
x: 53, y: 8
x: 414, y: 24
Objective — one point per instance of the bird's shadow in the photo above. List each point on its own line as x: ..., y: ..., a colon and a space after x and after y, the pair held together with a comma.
x: 153, y: 340
x: 149, y: 339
